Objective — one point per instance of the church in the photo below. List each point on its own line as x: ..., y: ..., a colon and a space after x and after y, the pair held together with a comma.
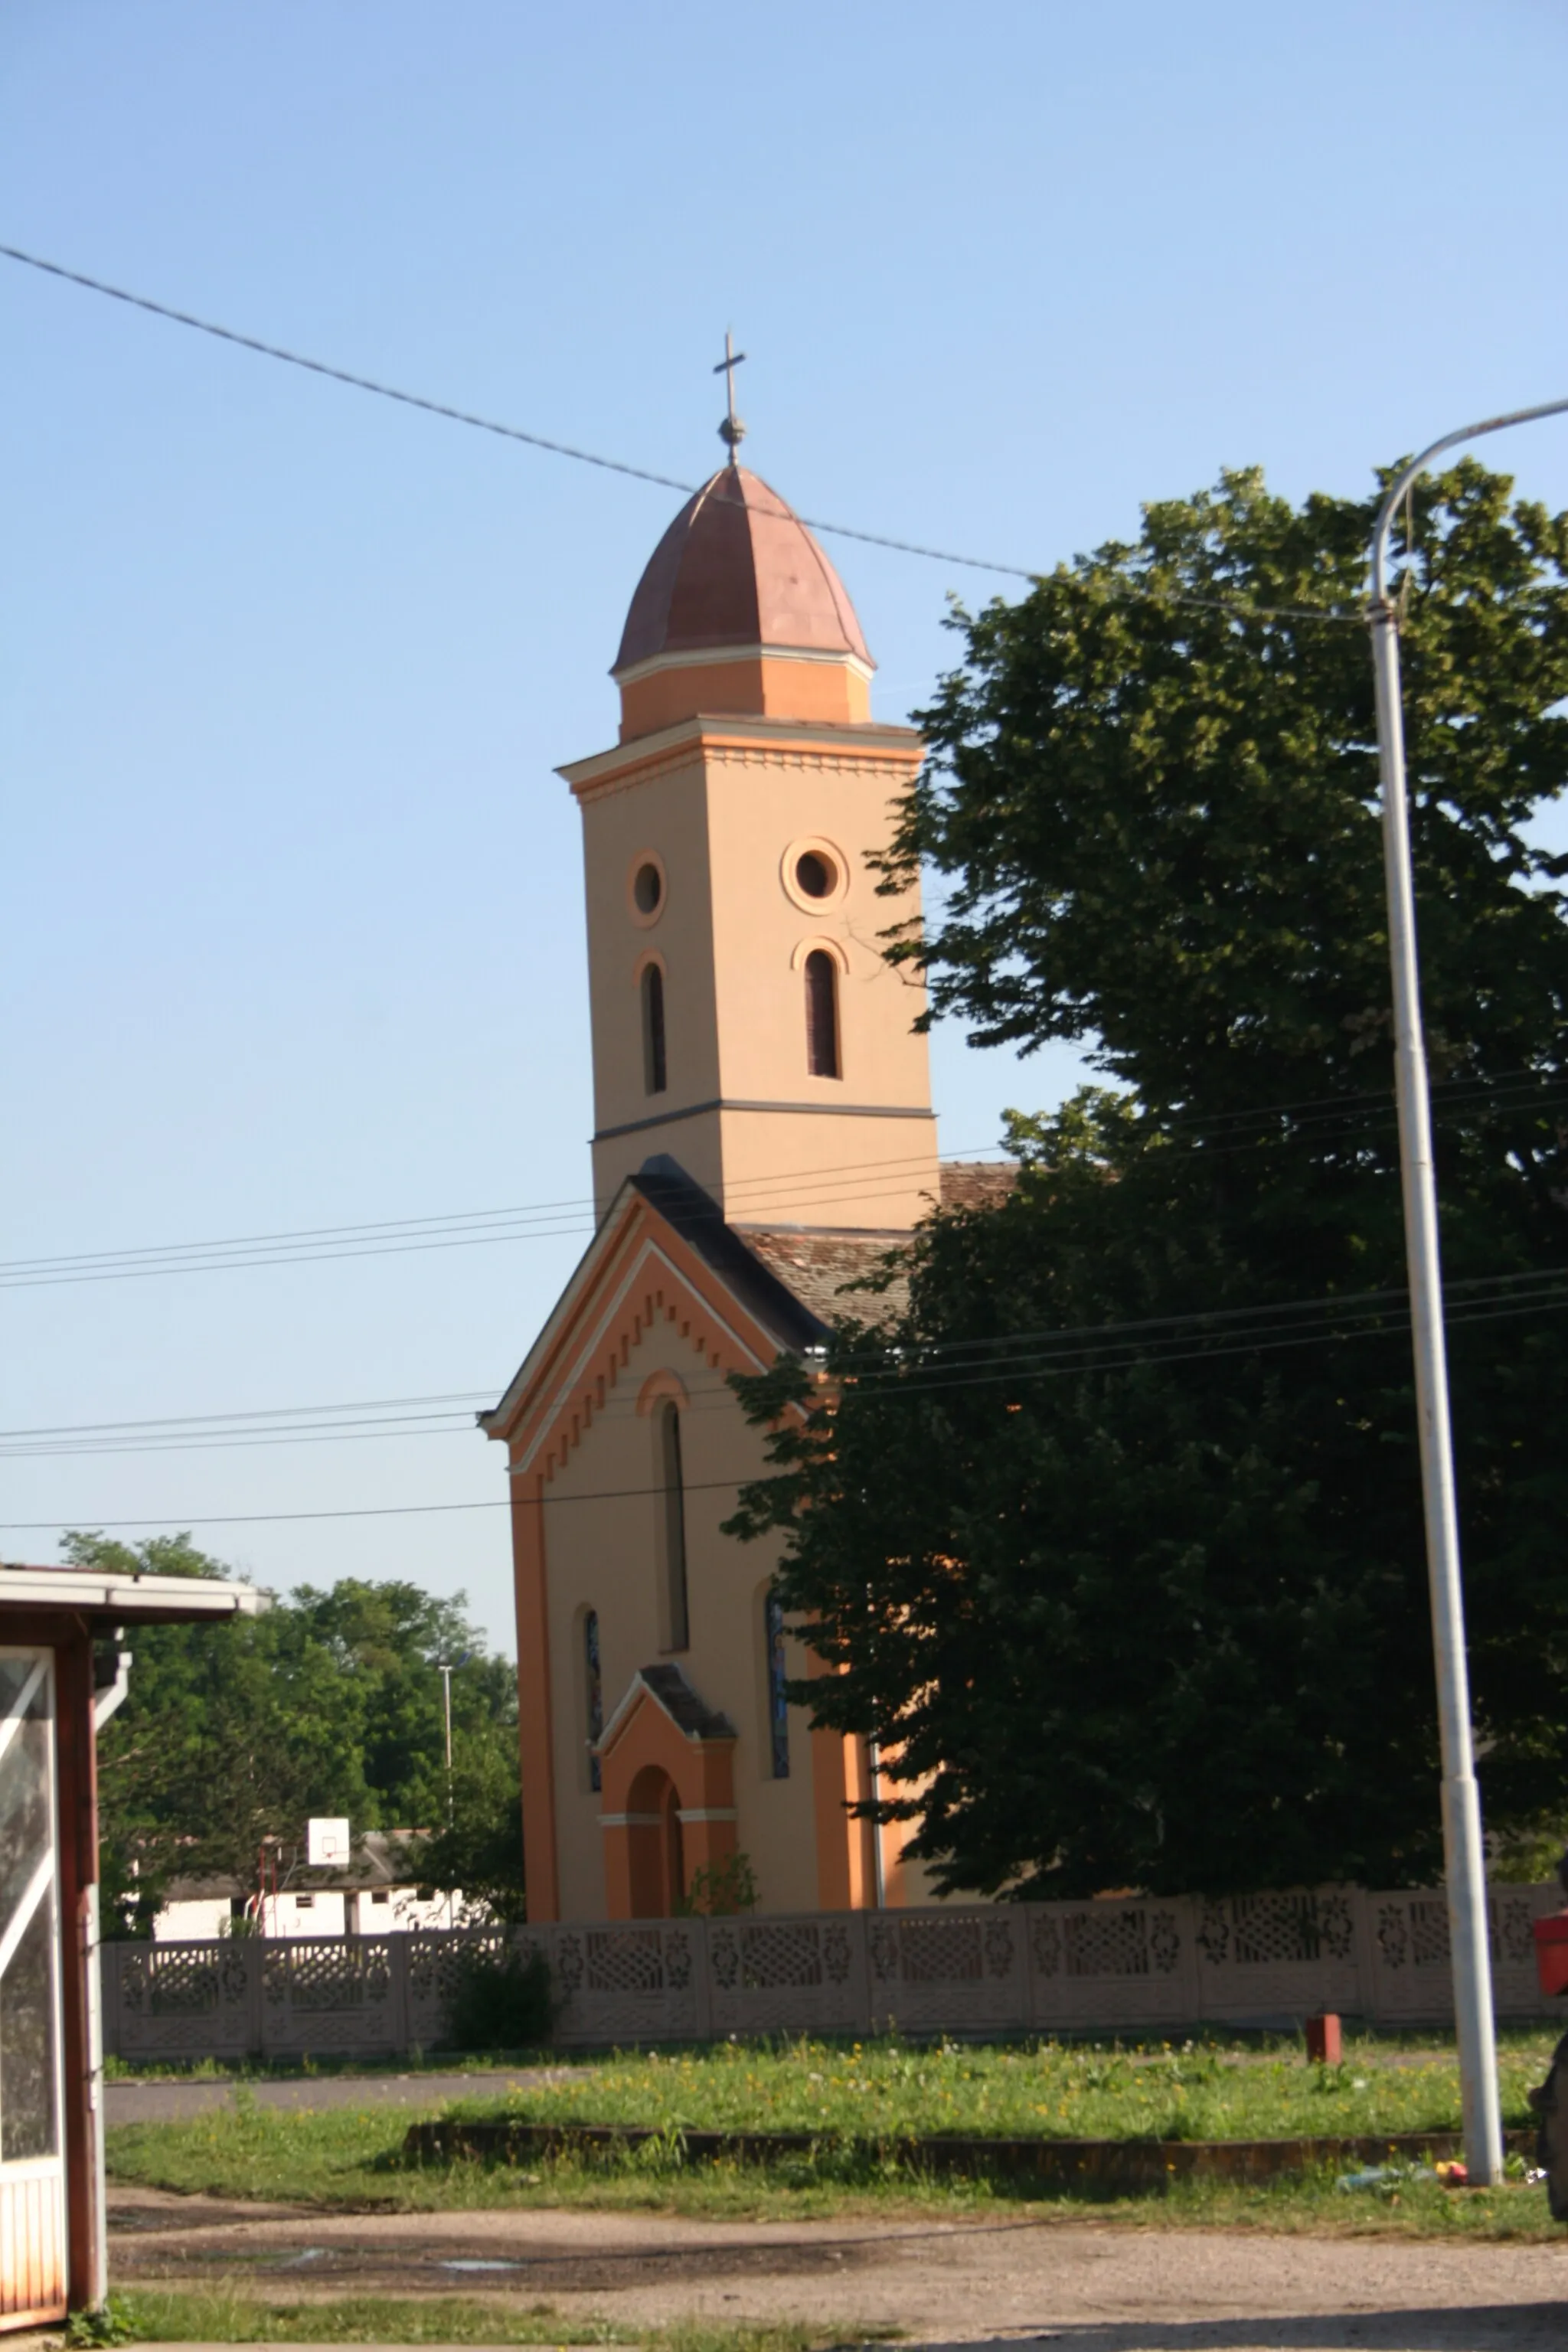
x: 763, y: 1133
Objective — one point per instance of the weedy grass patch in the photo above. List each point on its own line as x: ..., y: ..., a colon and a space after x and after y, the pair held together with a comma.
x: 223, y: 2314
x: 354, y: 2159
x: 893, y: 2089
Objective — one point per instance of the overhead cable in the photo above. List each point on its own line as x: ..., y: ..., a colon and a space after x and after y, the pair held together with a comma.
x: 1204, y: 1336
x: 1149, y: 591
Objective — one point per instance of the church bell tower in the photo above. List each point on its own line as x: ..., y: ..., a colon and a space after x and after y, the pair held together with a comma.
x: 746, y: 1023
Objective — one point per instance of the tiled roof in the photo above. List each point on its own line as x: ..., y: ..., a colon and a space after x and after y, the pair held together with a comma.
x: 819, y: 1263
x: 977, y: 1184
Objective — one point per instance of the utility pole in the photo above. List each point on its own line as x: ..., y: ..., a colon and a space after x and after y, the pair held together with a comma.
x: 1464, y: 1852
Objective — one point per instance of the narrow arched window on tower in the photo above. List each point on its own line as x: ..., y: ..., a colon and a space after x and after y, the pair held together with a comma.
x: 594, y: 1692
x: 820, y: 1015
x: 676, y: 1617
x: 653, y: 1069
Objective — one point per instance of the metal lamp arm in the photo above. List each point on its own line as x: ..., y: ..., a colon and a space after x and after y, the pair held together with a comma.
x: 1407, y: 474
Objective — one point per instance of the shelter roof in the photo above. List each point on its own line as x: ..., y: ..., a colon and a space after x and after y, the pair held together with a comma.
x: 128, y: 1600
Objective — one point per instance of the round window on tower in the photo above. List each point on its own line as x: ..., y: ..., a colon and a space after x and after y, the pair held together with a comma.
x: 814, y: 874
x: 646, y: 889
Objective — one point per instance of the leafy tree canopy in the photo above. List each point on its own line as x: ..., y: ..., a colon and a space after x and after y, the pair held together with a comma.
x: 1112, y: 1529
x: 328, y: 1704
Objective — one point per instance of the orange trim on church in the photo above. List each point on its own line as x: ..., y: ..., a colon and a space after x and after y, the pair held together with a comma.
x: 659, y: 1276
x: 536, y: 1748
x: 667, y: 1810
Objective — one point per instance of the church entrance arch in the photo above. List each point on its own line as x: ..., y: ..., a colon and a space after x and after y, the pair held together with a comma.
x: 667, y: 1793
x: 655, y: 1846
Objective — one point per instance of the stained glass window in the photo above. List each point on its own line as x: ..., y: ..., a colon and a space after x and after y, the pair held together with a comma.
x: 778, y: 1707
x: 678, y: 1613
x: 594, y: 1690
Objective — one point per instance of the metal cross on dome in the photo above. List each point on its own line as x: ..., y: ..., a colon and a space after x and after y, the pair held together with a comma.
x: 733, y: 431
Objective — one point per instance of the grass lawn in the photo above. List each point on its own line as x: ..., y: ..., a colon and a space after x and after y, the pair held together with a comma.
x: 351, y: 2158
x: 885, y: 2088
x: 225, y: 2315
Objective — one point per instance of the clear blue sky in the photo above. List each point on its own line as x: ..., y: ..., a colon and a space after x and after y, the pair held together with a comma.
x: 290, y: 897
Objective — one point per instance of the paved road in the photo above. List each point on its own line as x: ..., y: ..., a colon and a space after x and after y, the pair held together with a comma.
x: 156, y: 2103
x: 1087, y: 2288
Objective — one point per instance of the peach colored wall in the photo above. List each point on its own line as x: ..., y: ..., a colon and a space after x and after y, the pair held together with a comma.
x: 602, y: 1554
x: 664, y: 812
x: 723, y: 818
x: 830, y: 691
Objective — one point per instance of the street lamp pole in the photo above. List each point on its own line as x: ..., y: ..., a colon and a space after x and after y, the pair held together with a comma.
x: 1464, y: 1855
x: 446, y: 1673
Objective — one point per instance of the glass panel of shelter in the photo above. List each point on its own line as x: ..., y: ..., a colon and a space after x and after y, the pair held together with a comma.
x: 29, y: 1908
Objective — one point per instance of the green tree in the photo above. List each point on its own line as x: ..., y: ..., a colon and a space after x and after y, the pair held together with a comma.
x: 476, y: 1851
x: 235, y: 1734
x: 1147, y: 1605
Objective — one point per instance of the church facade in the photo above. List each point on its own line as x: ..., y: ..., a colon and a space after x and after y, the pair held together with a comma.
x: 764, y: 1132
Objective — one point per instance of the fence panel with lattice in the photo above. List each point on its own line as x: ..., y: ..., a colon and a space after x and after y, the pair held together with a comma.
x: 1407, y: 1936
x: 1264, y: 1959
x: 1117, y: 1965
x: 788, y: 1975
x: 182, y: 2000
x: 633, y: 1980
x: 1126, y: 1966
x: 332, y: 1996
x: 934, y: 1971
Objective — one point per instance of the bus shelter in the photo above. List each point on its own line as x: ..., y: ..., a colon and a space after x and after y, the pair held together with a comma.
x: 63, y: 1670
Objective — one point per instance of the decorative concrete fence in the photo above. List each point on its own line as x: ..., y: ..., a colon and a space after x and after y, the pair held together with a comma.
x: 1136, y: 1967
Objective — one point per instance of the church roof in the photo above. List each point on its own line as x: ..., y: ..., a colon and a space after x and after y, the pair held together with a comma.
x: 818, y: 1265
x: 738, y: 567
x: 664, y: 1250
x: 777, y: 1305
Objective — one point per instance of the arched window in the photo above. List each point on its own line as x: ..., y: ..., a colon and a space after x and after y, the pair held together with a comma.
x: 820, y: 1015
x: 653, y: 1069
x: 594, y: 1692
x: 778, y: 1705
x: 678, y: 1626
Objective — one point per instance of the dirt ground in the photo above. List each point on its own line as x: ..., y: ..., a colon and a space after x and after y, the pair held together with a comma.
x: 1087, y: 2288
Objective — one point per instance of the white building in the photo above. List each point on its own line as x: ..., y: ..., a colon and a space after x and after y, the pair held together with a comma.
x: 374, y: 1894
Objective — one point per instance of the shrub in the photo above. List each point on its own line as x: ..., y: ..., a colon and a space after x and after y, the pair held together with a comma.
x: 720, y: 1889
x: 503, y: 2001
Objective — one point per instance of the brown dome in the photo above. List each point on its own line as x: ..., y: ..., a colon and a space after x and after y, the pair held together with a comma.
x: 736, y: 567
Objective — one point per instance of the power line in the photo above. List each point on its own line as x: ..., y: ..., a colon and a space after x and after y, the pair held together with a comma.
x: 562, y: 1219
x: 1088, y: 1349
x: 260, y: 1412
x: 464, y: 1229
x: 466, y: 416
x: 1149, y: 590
